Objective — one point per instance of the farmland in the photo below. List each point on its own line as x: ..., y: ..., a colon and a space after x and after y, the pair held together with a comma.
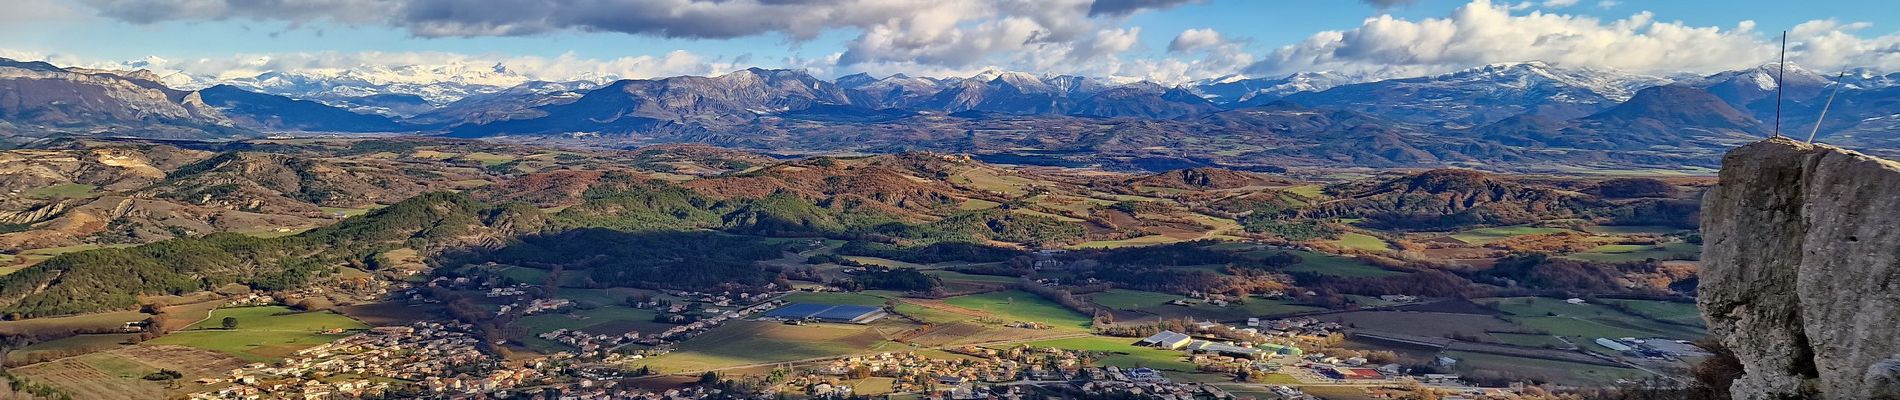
x: 1361, y: 241
x: 1328, y: 264
x: 1022, y: 306
x: 1583, y: 323
x: 262, y: 333
x: 1488, y: 235
x: 1613, y: 253
x: 1122, y: 352
x: 754, y: 342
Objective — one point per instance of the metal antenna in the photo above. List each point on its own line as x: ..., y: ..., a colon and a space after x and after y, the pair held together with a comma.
x: 1839, y: 82
x: 1783, y: 66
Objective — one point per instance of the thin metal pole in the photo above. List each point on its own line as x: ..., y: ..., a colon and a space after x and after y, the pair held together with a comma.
x: 1779, y: 83
x: 1839, y: 81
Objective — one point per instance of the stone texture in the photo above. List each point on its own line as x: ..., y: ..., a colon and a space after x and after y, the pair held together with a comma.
x: 1801, y: 275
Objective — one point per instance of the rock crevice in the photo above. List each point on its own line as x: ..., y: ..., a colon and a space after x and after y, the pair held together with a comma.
x: 1801, y: 266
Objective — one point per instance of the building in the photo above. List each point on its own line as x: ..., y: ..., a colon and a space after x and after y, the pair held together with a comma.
x: 1353, y: 373
x: 828, y: 313
x: 1170, y: 340
x: 1614, y: 345
x: 1144, y: 375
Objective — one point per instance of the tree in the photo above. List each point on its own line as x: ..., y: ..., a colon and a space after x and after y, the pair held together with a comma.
x: 709, y: 378
x: 230, y: 322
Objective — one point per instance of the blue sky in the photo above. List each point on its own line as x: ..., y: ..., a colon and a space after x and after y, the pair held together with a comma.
x: 1255, y: 37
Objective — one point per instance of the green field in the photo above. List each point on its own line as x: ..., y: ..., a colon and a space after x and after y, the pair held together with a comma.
x: 347, y: 212
x: 1631, y: 229
x: 604, y: 320
x: 1308, y: 191
x: 959, y: 276
x: 1124, y: 299
x: 1613, y: 253
x: 1123, y: 352
x: 1361, y: 241
x: 1022, y: 306
x: 1583, y: 323
x: 1149, y: 240
x: 61, y: 191
x: 847, y: 298
x: 1682, y: 313
x: 487, y: 159
x: 71, y: 345
x: 1528, y: 340
x: 1488, y: 235
x: 263, y: 333
x: 928, y: 315
x: 1562, y: 372
x: 739, y: 343
x: 1321, y: 263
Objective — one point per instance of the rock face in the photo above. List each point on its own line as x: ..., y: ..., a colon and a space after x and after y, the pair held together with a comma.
x: 1801, y: 275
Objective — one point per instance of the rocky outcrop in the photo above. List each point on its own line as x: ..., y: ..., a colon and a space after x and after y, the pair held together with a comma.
x: 1801, y: 275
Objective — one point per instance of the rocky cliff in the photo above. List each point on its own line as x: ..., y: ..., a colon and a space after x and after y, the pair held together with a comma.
x: 1801, y: 275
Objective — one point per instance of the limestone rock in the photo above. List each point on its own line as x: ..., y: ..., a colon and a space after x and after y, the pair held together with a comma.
x: 1801, y: 275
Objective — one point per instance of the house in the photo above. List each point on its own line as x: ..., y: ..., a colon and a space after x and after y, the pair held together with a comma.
x: 1144, y: 375
x: 1170, y: 340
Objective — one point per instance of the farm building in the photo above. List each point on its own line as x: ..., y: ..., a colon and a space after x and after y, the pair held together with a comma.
x: 1353, y: 373
x: 828, y: 313
x: 1613, y: 345
x: 1170, y: 340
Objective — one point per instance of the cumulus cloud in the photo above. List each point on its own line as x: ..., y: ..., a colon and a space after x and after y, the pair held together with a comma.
x: 29, y: 11
x: 402, y: 67
x: 1482, y: 32
x: 1389, y: 3
x: 1125, y: 7
x: 1195, y: 39
x: 948, y: 33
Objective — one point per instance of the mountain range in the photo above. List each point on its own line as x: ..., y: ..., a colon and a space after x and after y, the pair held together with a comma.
x: 1504, y: 116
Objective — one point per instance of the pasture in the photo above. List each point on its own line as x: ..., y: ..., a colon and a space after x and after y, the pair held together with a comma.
x: 61, y: 191
x: 1361, y: 241
x: 1562, y: 372
x: 1482, y: 236
x: 742, y: 343
x: 1121, y: 352
x: 1328, y: 264
x: 1615, y: 253
x: 1583, y: 323
x: 262, y: 333
x: 1022, y: 306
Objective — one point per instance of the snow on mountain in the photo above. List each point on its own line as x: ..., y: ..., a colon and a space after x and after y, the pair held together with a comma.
x: 437, y: 84
x: 1486, y: 94
x: 1240, y: 88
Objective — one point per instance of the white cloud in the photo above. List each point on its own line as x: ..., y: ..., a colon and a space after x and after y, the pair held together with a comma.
x: 1482, y: 32
x: 402, y: 67
x: 33, y: 11
x: 1195, y: 39
x: 1608, y: 4
x: 1559, y: 3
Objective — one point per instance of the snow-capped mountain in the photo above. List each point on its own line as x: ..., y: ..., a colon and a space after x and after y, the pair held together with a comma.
x: 436, y: 84
x: 1233, y: 89
x: 1486, y: 94
x: 895, y: 91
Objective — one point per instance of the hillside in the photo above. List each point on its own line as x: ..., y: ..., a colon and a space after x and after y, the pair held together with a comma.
x: 109, y: 279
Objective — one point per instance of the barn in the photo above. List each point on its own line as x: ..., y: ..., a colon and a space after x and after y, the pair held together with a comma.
x: 839, y: 313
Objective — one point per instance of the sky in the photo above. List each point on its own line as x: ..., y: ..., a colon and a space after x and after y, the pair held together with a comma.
x: 1169, y: 41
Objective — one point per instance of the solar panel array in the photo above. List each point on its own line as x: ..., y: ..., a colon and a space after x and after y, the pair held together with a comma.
x: 829, y: 312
